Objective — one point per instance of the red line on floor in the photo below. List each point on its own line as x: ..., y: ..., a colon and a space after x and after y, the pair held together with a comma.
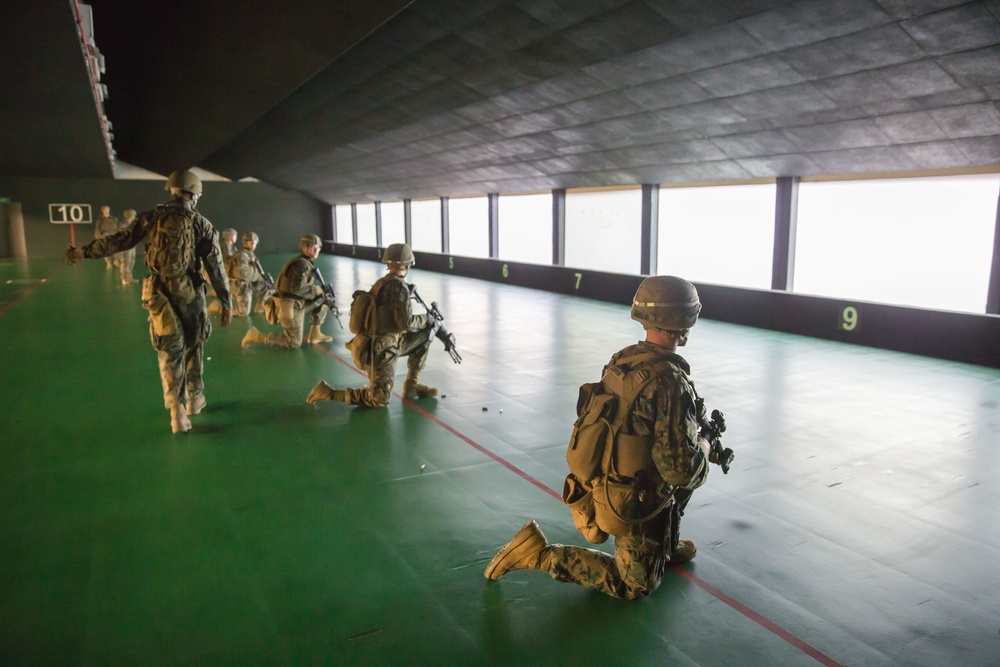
x: 809, y: 650
x: 9, y: 304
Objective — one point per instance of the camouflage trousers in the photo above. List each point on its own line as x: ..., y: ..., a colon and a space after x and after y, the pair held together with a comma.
x: 634, y: 571
x: 414, y: 345
x: 242, y: 297
x: 292, y: 316
x: 178, y: 330
x: 125, y: 261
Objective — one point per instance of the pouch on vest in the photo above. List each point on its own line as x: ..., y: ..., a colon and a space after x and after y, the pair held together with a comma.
x: 271, y: 310
x: 620, y: 508
x: 170, y: 248
x: 162, y: 319
x: 362, y: 309
x: 591, y: 432
x: 360, y: 347
x: 580, y: 499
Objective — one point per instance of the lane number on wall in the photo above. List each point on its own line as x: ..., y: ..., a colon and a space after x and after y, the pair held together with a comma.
x: 451, y: 262
x: 579, y: 277
x: 849, y: 319
x: 504, y: 271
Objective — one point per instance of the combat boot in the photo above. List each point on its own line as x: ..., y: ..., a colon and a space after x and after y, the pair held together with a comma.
x: 196, y: 404
x: 526, y: 551
x: 413, y: 389
x: 684, y: 552
x: 324, y: 392
x: 317, y: 336
x: 253, y: 336
x: 179, y: 422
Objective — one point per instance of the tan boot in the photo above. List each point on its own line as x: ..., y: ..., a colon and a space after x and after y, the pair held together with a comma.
x: 413, y: 389
x: 317, y: 336
x: 684, y: 552
x: 179, y: 422
x: 324, y: 392
x: 253, y: 336
x: 523, y: 552
x: 196, y: 404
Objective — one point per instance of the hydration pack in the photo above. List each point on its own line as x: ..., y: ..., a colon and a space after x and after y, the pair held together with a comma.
x: 170, y: 248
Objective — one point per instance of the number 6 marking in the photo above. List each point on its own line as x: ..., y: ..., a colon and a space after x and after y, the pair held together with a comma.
x: 504, y: 272
x: 850, y: 319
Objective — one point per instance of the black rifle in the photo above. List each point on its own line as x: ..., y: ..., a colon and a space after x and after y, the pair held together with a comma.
x: 329, y: 296
x: 268, y: 279
x: 437, y: 330
x: 712, y: 430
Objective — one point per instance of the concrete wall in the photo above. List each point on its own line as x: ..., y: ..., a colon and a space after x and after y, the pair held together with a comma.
x: 279, y: 217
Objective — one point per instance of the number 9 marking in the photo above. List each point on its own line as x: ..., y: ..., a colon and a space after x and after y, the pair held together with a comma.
x: 849, y: 319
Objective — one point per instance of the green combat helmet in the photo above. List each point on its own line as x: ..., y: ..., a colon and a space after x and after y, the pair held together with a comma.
x: 666, y: 302
x: 398, y: 253
x: 250, y: 237
x: 187, y: 181
x: 307, y: 240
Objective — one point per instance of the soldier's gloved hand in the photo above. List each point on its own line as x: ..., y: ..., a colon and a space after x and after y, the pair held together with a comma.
x: 227, y: 316
x: 318, y: 291
x: 73, y: 255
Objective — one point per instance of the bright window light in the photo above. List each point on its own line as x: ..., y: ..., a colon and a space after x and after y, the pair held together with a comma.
x: 925, y: 242
x: 526, y: 228
x: 425, y: 225
x: 345, y: 224
x: 366, y: 224
x: 717, y: 234
x: 469, y: 224
x: 393, y: 223
x: 604, y: 230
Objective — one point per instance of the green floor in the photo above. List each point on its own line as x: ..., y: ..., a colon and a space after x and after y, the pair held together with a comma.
x: 857, y: 527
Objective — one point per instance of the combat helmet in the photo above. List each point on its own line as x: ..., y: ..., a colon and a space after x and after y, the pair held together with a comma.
x: 307, y: 240
x: 666, y: 302
x: 187, y: 181
x: 129, y: 214
x: 249, y: 237
x: 399, y: 253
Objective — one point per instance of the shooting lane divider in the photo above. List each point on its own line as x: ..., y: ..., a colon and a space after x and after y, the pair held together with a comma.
x: 768, y: 625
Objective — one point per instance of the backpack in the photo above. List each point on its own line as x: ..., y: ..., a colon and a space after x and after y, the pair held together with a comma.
x: 362, y: 313
x: 600, y: 456
x: 170, y: 249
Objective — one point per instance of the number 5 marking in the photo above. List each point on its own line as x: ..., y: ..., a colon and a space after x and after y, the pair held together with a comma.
x: 849, y: 319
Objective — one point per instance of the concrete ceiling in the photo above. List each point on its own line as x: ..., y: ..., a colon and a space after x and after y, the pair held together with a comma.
x: 357, y: 101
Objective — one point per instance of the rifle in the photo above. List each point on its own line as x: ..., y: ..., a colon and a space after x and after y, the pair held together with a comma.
x: 437, y: 330
x: 329, y: 296
x: 268, y: 279
x: 712, y: 430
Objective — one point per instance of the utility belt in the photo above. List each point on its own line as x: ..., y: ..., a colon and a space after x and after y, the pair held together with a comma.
x: 290, y: 296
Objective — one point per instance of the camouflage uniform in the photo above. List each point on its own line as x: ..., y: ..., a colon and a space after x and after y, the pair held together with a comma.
x: 245, y: 279
x: 666, y: 410
x: 392, y: 302
x: 178, y: 321
x: 105, y: 226
x: 297, y: 294
x: 125, y: 260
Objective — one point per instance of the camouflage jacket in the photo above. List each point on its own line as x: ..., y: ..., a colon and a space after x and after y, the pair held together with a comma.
x: 297, y: 280
x: 393, y: 301
x: 105, y: 226
x: 666, y: 410
x: 243, y: 267
x: 206, y: 247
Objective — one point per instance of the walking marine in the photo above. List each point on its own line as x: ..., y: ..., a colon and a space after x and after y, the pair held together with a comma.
x: 299, y: 291
x: 638, y: 451
x: 181, y: 242
x: 386, y: 329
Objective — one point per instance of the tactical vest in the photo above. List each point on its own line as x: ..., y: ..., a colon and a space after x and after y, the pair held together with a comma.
x: 170, y: 248
x: 613, y: 485
x: 370, y: 316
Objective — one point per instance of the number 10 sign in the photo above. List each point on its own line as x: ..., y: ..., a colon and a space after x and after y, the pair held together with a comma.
x: 69, y: 214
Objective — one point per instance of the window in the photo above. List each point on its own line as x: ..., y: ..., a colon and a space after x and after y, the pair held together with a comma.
x: 366, y: 224
x: 604, y: 230
x: 345, y: 224
x: 925, y: 242
x: 717, y: 234
x: 525, y: 228
x: 469, y: 223
x: 425, y: 225
x: 393, y: 223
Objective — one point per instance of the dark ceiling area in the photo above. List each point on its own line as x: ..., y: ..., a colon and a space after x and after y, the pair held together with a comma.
x: 360, y: 101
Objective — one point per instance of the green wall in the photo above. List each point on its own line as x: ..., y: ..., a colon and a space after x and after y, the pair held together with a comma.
x: 278, y: 216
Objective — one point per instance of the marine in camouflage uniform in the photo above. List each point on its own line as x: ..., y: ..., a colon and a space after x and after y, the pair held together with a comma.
x: 244, y: 276
x: 227, y: 244
x: 178, y: 321
x: 399, y: 333
x: 104, y: 226
x: 125, y: 260
x: 297, y: 294
x: 666, y: 409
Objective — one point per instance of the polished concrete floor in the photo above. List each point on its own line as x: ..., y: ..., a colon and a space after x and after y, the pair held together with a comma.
x: 858, y: 526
